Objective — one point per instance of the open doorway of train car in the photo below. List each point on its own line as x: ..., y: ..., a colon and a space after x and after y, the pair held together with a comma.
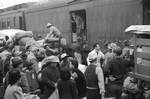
x: 146, y: 12
x: 78, y: 26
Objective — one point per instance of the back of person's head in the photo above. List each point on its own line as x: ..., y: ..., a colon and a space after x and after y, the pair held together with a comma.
x: 65, y: 74
x: 95, y: 45
x: 14, y: 76
x: 118, y: 51
x: 126, y: 43
x: 16, y: 61
x: 74, y: 63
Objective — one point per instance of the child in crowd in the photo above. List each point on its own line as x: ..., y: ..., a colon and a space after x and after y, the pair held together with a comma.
x: 67, y: 87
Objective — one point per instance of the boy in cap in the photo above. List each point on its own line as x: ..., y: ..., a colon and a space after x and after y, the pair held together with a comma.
x: 95, y: 79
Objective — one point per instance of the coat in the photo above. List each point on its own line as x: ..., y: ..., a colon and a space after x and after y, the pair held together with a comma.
x: 67, y: 89
x: 13, y: 92
x: 49, y: 77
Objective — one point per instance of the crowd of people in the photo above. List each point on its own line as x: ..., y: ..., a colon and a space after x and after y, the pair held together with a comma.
x: 43, y: 73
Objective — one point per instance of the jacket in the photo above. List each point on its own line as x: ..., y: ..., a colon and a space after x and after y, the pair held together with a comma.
x: 13, y: 92
x: 23, y: 84
x: 95, y: 78
x: 49, y: 77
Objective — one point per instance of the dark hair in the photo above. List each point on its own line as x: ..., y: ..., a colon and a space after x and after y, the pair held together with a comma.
x: 16, y: 61
x: 118, y: 51
x: 95, y: 45
x: 48, y: 64
x: 65, y: 74
x: 14, y: 76
x: 7, y: 38
x: 126, y: 43
x: 74, y: 63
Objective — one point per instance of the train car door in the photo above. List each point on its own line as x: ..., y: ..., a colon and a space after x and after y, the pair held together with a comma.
x: 78, y: 26
x: 20, y: 22
x: 146, y: 12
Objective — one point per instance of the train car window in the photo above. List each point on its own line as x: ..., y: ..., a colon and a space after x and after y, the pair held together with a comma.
x: 78, y: 26
x: 21, y: 22
x: 0, y: 24
x: 8, y: 24
x: 3, y: 25
x: 14, y: 21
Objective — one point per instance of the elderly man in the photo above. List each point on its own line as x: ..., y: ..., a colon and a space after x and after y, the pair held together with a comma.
x: 95, y: 79
x: 97, y: 53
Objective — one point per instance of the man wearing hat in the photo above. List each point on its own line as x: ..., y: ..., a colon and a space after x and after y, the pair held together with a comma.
x: 49, y: 76
x: 53, y: 32
x: 95, y: 79
x: 64, y: 64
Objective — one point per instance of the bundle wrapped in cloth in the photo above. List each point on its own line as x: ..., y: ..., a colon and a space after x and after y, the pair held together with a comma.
x: 20, y: 35
x: 23, y: 37
x: 62, y: 41
x: 25, y: 40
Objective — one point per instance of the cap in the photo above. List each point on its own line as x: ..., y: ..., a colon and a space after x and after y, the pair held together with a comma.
x: 92, y: 57
x: 113, y: 45
x: 16, y: 61
x: 54, y: 59
x: 64, y: 55
x: 48, y: 25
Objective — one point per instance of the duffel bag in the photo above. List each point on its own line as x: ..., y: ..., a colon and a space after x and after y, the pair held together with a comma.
x: 20, y: 35
x: 25, y: 40
x: 51, y: 40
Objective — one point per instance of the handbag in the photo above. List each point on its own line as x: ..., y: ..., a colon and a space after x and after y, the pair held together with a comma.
x: 54, y: 95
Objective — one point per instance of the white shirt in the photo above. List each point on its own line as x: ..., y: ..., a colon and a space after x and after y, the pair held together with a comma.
x: 82, y: 68
x: 99, y: 55
x: 100, y: 76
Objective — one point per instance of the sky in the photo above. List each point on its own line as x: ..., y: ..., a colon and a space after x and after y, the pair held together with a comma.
x: 8, y: 3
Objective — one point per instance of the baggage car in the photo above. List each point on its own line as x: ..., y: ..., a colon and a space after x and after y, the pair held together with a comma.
x: 141, y: 34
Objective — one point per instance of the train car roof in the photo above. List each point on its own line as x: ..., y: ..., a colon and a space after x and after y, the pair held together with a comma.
x: 138, y: 29
x: 53, y: 4
x: 49, y: 4
x: 12, y: 11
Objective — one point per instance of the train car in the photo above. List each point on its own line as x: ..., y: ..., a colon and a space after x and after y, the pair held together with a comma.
x: 94, y: 20
x: 12, y: 19
x: 141, y: 39
x: 141, y: 36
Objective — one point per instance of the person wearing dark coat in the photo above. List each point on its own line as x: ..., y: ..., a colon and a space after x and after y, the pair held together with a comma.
x: 117, y: 70
x: 79, y: 79
x: 49, y: 75
x: 66, y: 86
